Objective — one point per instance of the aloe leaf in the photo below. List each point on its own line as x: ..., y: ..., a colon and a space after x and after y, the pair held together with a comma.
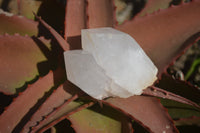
x: 75, y: 18
x: 154, y: 5
x: 179, y: 87
x: 178, y: 110
x: 17, y: 24
x: 47, y: 107
x: 22, y: 59
x: 24, y: 102
x: 163, y: 35
x: 96, y: 120
x: 147, y: 111
x: 100, y: 13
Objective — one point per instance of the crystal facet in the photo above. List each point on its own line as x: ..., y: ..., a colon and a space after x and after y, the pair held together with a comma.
x: 110, y: 64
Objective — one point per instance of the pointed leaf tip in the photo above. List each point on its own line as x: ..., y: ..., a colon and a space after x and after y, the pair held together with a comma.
x: 57, y: 36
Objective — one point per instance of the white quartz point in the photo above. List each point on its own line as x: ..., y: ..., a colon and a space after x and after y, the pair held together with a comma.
x: 121, y: 57
x: 83, y: 71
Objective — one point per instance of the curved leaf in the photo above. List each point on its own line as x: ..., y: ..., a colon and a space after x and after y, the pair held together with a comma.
x: 24, y: 102
x: 21, y: 60
x: 56, y: 99
x: 54, y: 108
x: 163, y: 34
x: 146, y: 110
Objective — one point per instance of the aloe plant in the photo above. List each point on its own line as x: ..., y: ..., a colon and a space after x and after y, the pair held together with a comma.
x: 36, y: 95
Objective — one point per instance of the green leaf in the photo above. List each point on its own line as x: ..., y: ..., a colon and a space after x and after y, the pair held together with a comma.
x: 15, y: 24
x: 98, y: 120
x: 178, y: 110
x: 154, y: 5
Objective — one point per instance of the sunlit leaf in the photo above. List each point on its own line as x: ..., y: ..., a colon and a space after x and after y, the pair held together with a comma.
x: 98, y: 120
x: 15, y: 24
x: 22, y: 58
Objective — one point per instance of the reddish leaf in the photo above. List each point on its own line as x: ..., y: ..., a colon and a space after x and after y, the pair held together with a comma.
x: 145, y: 110
x: 163, y: 34
x: 100, y: 13
x: 161, y: 47
x: 75, y: 18
x: 24, y: 102
x: 95, y: 120
x: 21, y: 59
x: 15, y: 24
x: 137, y: 107
x: 154, y: 5
x: 55, y: 100
x: 65, y: 111
x: 58, y: 112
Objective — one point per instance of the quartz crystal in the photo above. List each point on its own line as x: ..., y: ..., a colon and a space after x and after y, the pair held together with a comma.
x: 111, y: 64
